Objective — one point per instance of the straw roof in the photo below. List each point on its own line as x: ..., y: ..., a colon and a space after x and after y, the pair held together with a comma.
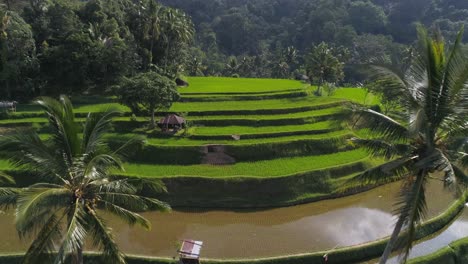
x: 172, y: 119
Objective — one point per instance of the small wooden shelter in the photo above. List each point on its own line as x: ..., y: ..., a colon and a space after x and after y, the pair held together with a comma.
x: 171, y: 122
x: 189, y: 252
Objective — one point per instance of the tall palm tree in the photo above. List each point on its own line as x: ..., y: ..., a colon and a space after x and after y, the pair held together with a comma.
x: 178, y: 30
x: 154, y: 26
x: 324, y: 65
x: 427, y: 144
x: 64, y: 210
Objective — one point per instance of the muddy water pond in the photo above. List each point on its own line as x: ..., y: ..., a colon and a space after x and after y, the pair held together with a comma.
x: 262, y: 233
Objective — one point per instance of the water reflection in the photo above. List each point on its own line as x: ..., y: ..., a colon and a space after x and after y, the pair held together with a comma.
x: 457, y: 230
x: 347, y: 229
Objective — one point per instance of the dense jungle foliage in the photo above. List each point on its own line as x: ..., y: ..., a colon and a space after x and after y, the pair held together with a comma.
x: 72, y: 46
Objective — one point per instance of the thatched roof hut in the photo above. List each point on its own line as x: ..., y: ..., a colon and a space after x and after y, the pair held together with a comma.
x: 171, y: 121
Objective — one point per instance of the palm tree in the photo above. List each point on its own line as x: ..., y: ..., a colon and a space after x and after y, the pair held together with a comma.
x: 154, y: 27
x: 4, y: 22
x: 324, y: 66
x: 195, y: 67
x: 178, y: 30
x: 428, y: 143
x: 64, y: 210
x: 290, y: 56
x: 232, y: 66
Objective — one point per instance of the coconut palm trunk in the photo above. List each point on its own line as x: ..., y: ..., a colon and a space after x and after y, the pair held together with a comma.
x: 392, y: 242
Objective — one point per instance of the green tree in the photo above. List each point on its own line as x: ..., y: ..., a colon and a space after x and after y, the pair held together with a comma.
x: 323, y: 65
x: 232, y: 66
x: 246, y: 66
x: 18, y: 62
x: 163, y: 35
x: 149, y: 92
x: 291, y: 57
x: 76, y: 169
x: 195, y: 67
x: 178, y: 33
x: 434, y: 95
x: 367, y: 17
x: 389, y: 95
x: 280, y: 70
x: 153, y: 28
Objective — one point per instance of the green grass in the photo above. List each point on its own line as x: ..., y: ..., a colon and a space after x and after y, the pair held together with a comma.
x: 23, y: 120
x: 304, y: 114
x: 238, y: 85
x: 229, y: 96
x: 4, y: 165
x: 354, y: 94
x: 187, y: 107
x: 357, y: 95
x: 266, y: 168
x: 182, y: 141
x: 100, y: 107
x: 243, y: 130
x: 253, y: 105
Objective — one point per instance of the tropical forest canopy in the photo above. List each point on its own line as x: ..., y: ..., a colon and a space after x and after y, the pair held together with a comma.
x: 368, y: 29
x: 71, y: 46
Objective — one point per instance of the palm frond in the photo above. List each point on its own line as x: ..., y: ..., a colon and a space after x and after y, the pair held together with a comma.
x: 464, y: 160
x: 45, y: 241
x: 128, y: 216
x: 134, y: 202
x: 153, y: 185
x: 32, y: 202
x: 454, y: 127
x: 97, y: 124
x: 461, y: 178
x: 392, y: 79
x: 443, y: 164
x: 383, y: 125
x: 412, y: 208
x: 103, y: 239
x: 64, y: 129
x: 432, y: 60
x: 452, y: 103
x: 113, y: 186
x: 388, y: 172
x: 26, y: 149
x: 417, y: 122
x: 75, y: 234
x: 8, y: 197
x: 100, y: 166
x: 43, y: 185
x: 129, y: 145
x: 381, y: 148
x: 456, y: 78
x: 6, y: 179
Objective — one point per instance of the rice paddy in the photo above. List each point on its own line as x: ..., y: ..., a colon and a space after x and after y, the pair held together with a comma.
x: 267, y: 168
x: 270, y: 137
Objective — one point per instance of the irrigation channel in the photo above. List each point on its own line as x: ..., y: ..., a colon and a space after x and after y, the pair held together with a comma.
x: 249, y: 234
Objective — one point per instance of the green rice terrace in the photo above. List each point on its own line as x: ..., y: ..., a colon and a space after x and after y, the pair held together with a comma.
x: 241, y: 130
x: 261, y: 160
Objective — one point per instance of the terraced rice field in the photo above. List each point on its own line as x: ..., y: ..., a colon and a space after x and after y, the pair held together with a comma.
x: 266, y: 168
x: 238, y: 128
